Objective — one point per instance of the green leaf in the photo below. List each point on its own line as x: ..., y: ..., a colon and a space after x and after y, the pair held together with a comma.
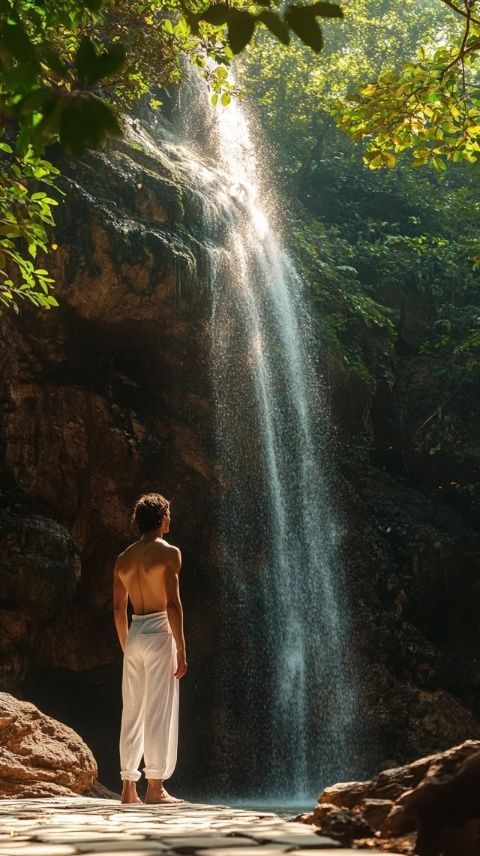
x: 10, y: 231
x: 327, y: 10
x: 48, y: 128
x: 21, y: 77
x: 438, y: 163
x: 218, y: 14
x: 108, y: 63
x: 192, y: 21
x: 302, y: 21
x: 225, y: 99
x: 37, y: 100
x: 53, y: 60
x: 86, y: 122
x: 85, y: 58
x: 17, y: 41
x: 94, y: 68
x: 93, y: 5
x: 389, y: 159
x: 275, y: 25
x: 241, y: 26
x: 4, y: 147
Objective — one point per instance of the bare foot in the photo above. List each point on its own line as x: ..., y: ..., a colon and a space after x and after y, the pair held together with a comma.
x: 129, y: 793
x: 156, y: 794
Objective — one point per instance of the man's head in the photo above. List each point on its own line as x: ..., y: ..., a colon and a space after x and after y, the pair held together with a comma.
x: 150, y: 511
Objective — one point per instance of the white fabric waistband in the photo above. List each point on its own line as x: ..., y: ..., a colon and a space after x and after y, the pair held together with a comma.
x: 150, y: 615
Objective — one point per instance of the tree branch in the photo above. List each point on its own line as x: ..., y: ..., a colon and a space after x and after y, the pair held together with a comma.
x: 461, y: 11
x: 462, y: 52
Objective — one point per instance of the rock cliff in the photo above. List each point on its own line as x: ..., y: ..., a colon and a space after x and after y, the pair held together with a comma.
x: 104, y: 398
x: 109, y: 396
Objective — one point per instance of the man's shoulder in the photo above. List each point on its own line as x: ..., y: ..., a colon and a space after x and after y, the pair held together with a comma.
x: 172, y: 557
x: 171, y: 550
x: 124, y: 555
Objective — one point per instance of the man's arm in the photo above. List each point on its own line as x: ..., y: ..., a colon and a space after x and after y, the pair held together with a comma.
x: 120, y: 601
x: 174, y: 607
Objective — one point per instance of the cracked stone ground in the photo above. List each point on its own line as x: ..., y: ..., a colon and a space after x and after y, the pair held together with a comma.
x: 62, y: 826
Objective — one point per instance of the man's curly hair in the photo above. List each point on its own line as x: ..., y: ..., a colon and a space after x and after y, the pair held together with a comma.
x: 149, y: 511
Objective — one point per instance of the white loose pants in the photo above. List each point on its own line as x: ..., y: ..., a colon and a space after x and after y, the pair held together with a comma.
x: 150, y: 693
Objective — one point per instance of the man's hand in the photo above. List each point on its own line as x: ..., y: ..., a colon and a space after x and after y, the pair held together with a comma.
x: 181, y: 664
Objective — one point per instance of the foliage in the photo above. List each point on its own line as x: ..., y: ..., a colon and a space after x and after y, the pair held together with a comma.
x: 390, y: 256
x: 68, y: 67
x: 60, y: 65
x: 374, y: 81
x: 24, y: 215
x: 429, y: 107
x: 298, y: 93
x: 241, y: 21
x: 453, y: 352
x: 426, y: 108
x: 350, y: 320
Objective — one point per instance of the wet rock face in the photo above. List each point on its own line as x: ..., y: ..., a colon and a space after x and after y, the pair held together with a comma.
x: 99, y: 398
x: 430, y: 807
x: 412, y: 568
x: 40, y: 563
x: 40, y: 756
x: 103, y: 399
x: 40, y: 572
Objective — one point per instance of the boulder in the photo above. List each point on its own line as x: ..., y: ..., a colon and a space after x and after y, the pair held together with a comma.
x: 433, y: 803
x: 345, y: 825
x: 446, y: 806
x: 39, y: 756
x: 375, y: 812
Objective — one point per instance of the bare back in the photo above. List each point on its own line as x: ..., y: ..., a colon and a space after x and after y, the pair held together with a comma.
x: 141, y: 568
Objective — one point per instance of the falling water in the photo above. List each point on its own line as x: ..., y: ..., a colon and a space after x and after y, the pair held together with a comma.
x: 284, y: 683
x: 284, y: 675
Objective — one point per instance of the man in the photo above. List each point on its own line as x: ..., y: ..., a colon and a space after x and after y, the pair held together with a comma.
x: 154, y: 660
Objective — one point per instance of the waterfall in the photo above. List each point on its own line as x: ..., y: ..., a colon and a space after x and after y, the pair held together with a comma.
x: 284, y: 681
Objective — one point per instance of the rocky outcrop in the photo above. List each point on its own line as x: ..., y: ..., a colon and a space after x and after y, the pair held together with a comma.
x: 428, y: 808
x: 39, y: 756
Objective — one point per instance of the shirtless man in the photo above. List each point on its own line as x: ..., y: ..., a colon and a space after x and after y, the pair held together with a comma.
x: 154, y: 660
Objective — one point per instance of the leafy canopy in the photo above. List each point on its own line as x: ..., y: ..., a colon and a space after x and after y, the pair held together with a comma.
x: 68, y: 69
x: 299, y: 93
x: 430, y: 105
